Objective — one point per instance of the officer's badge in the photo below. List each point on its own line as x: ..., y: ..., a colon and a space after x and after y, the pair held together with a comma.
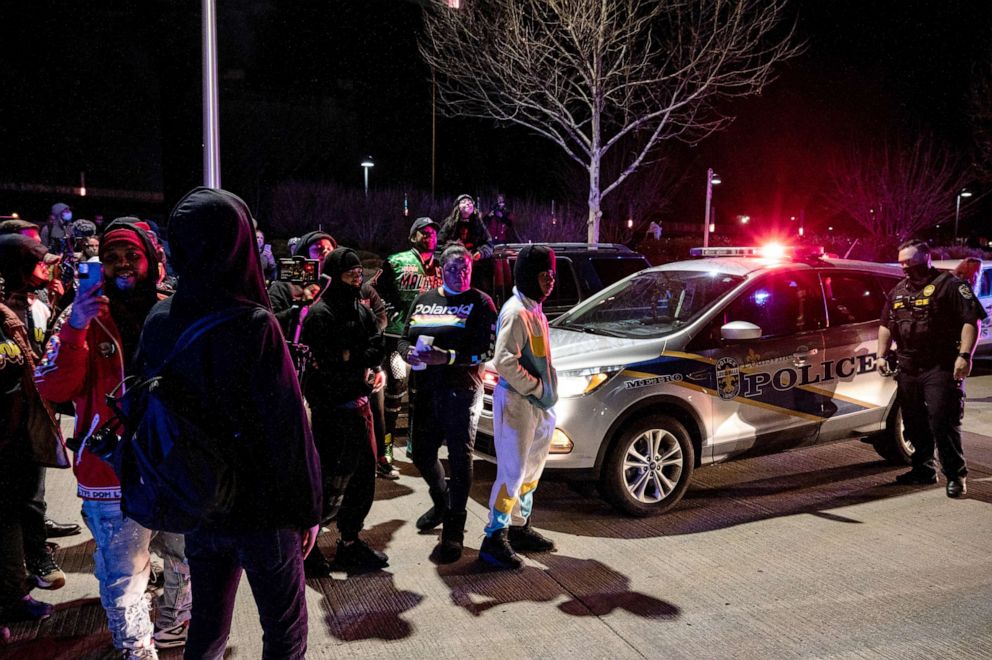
x: 965, y: 292
x: 728, y: 378
x: 929, y: 289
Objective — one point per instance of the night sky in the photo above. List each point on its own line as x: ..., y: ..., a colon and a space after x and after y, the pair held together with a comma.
x: 310, y: 88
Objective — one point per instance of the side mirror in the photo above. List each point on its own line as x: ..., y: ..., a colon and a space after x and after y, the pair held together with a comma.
x: 740, y: 330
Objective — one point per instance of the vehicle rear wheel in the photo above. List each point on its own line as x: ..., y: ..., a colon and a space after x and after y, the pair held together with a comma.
x: 892, y: 444
x: 648, y: 466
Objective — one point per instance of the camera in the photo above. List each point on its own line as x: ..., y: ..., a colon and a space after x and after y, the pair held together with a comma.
x: 299, y: 270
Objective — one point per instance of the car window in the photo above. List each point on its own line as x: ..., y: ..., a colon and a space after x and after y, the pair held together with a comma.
x: 650, y: 304
x: 852, y: 297
x: 613, y: 269
x: 985, y: 284
x: 780, y: 304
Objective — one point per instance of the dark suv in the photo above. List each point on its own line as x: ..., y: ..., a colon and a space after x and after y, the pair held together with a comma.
x: 583, y: 269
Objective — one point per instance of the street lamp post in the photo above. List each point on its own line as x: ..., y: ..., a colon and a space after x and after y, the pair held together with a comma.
x: 964, y: 192
x: 366, y: 165
x: 712, y: 179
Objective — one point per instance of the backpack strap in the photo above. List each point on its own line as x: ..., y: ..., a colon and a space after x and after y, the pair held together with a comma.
x: 203, y: 325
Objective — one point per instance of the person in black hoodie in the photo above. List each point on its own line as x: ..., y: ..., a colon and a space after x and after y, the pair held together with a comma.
x: 243, y: 374
x: 346, y: 343
x: 464, y: 225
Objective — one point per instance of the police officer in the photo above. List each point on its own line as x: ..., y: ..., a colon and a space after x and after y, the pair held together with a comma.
x: 934, y: 319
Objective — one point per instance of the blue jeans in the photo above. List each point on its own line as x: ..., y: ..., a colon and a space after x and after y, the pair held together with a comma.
x: 273, y: 560
x: 123, y: 565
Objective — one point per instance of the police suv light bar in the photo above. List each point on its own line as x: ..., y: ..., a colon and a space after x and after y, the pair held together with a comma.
x: 771, y: 251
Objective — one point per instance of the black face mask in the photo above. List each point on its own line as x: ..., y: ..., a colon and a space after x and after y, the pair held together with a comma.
x: 917, y: 273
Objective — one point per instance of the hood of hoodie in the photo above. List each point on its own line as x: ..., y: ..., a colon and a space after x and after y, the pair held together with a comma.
x: 214, y: 251
x: 531, y: 261
x: 303, y: 247
x: 18, y: 257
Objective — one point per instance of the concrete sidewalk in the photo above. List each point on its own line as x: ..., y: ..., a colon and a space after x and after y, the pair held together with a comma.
x: 807, y: 554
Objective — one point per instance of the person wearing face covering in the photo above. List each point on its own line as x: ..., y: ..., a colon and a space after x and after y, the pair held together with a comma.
x: 91, y: 350
x: 346, y: 344
x: 523, y: 416
x: 934, y: 320
x: 240, y: 372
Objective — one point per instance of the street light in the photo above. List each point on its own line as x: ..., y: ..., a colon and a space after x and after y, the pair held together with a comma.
x: 957, y: 211
x: 366, y: 165
x: 712, y: 179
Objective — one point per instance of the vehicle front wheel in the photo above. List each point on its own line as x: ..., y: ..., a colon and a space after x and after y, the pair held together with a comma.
x: 892, y: 444
x: 648, y: 466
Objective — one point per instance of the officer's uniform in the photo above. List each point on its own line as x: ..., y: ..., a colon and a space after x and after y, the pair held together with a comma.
x: 925, y: 321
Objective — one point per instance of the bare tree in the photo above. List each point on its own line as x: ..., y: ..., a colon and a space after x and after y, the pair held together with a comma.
x: 896, y: 189
x: 586, y: 74
x: 980, y: 114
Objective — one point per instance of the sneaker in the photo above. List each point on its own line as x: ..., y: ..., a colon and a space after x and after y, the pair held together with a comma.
x: 172, y: 637
x: 497, y: 551
x: 525, y: 539
x: 141, y: 653
x: 45, y: 571
x: 914, y: 478
x: 26, y: 608
x: 358, y: 555
x: 386, y: 470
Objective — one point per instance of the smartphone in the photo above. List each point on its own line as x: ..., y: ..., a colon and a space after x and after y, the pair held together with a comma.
x: 90, y: 276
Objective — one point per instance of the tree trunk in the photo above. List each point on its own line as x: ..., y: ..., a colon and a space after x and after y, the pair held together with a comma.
x: 595, y: 212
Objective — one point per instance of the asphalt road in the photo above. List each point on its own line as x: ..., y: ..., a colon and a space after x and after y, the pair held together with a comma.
x: 807, y: 554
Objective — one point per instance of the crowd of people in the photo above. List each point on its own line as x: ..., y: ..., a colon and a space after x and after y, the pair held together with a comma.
x: 305, y: 389
x: 308, y: 385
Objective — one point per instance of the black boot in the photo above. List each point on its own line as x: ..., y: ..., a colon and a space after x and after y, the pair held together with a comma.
x: 526, y: 539
x: 449, y: 550
x: 316, y: 564
x: 434, y: 515
x: 496, y: 551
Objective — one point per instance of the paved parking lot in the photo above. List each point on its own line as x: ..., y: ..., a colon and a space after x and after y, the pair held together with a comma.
x: 806, y: 554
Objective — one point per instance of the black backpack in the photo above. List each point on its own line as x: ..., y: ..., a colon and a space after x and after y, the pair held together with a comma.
x: 175, y: 460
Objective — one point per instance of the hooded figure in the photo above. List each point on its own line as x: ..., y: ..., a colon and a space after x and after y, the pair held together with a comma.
x: 240, y: 372
x: 55, y: 233
x: 302, y: 247
x: 523, y: 416
x: 346, y: 343
x: 25, y: 265
x: 533, y: 260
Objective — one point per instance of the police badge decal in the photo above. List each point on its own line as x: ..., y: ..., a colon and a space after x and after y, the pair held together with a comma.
x: 728, y: 377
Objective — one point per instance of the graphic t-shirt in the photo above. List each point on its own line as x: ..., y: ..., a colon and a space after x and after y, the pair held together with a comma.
x: 464, y: 323
x: 12, y: 361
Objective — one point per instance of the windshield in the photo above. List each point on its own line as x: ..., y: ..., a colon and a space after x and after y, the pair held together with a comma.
x: 649, y: 304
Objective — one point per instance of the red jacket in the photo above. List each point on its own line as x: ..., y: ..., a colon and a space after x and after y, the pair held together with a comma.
x: 83, y: 366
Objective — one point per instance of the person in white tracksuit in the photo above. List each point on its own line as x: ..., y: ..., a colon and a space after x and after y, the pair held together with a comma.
x: 523, y: 414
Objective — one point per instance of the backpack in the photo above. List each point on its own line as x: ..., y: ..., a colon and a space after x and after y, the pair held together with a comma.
x: 175, y: 460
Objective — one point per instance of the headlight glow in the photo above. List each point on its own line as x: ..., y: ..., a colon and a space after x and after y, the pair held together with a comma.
x: 583, y: 381
x: 560, y: 443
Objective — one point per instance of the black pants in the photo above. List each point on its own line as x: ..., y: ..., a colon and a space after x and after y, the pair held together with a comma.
x: 932, y: 405
x: 451, y: 417
x: 18, y: 483
x: 345, y: 442
x: 33, y: 519
x: 273, y: 560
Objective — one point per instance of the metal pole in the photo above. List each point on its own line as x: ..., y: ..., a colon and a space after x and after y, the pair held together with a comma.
x: 709, y: 198
x: 957, y: 213
x: 211, y: 109
x: 433, y: 134
x: 366, y: 181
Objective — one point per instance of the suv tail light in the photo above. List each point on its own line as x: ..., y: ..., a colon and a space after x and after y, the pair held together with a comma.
x: 489, y: 379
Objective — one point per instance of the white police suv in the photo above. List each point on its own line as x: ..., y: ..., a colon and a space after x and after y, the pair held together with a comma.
x: 743, y: 352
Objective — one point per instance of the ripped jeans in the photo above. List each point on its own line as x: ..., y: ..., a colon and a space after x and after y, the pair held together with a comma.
x: 123, y: 565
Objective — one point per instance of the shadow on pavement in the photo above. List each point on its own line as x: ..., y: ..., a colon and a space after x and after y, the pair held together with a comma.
x: 591, y: 587
x: 813, y: 481
x: 367, y: 605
